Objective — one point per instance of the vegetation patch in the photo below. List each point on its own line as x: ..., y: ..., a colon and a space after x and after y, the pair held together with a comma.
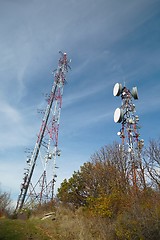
x: 20, y: 230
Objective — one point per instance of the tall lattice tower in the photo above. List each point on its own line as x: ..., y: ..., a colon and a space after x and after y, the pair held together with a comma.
x: 131, y: 145
x: 45, y: 152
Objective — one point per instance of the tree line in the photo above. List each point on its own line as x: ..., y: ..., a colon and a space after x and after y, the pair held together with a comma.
x: 123, y: 200
x: 107, y: 186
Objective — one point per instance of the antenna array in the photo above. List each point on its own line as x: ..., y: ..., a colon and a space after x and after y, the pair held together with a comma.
x: 45, y: 152
x: 131, y: 146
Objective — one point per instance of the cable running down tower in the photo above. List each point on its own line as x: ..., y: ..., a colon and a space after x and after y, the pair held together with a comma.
x: 46, y: 148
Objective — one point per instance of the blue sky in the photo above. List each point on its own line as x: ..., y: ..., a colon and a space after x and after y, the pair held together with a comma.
x: 109, y: 41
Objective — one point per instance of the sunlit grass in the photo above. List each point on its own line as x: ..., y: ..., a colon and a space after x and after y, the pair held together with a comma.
x: 20, y: 230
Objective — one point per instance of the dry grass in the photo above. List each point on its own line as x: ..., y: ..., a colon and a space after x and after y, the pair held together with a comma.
x: 76, y: 225
x: 65, y: 224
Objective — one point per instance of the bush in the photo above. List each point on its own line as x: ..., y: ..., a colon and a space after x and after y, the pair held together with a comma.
x: 5, y: 204
x: 141, y: 221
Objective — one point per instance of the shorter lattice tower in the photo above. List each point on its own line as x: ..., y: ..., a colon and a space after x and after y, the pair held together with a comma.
x: 131, y: 145
x: 38, y: 188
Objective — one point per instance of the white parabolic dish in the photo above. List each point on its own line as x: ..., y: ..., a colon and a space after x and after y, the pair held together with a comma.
x: 117, y: 89
x: 134, y: 93
x: 118, y: 115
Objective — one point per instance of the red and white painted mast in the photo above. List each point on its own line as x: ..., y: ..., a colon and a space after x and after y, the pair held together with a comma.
x: 46, y: 148
x: 132, y: 145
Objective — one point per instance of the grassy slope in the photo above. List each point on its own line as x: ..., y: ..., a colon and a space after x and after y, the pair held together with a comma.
x: 67, y: 225
x: 20, y: 230
x: 70, y: 225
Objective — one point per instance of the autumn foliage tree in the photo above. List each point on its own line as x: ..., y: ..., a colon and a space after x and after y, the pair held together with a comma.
x: 100, y: 183
x: 104, y: 188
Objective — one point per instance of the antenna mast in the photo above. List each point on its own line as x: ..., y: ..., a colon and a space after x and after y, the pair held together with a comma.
x: 46, y: 147
x: 129, y: 133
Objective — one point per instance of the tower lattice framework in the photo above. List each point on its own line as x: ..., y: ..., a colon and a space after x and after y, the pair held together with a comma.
x: 43, y: 157
x: 131, y: 144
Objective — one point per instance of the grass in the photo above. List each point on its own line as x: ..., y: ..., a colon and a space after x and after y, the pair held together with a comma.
x: 65, y: 225
x: 75, y: 225
x: 20, y: 230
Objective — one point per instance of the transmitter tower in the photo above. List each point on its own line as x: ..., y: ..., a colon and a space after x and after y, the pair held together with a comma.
x: 36, y: 192
x: 131, y: 145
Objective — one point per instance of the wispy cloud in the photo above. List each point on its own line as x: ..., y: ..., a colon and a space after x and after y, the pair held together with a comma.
x: 83, y: 92
x: 15, y: 129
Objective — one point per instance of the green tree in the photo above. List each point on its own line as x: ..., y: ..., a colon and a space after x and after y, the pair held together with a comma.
x: 72, y: 191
